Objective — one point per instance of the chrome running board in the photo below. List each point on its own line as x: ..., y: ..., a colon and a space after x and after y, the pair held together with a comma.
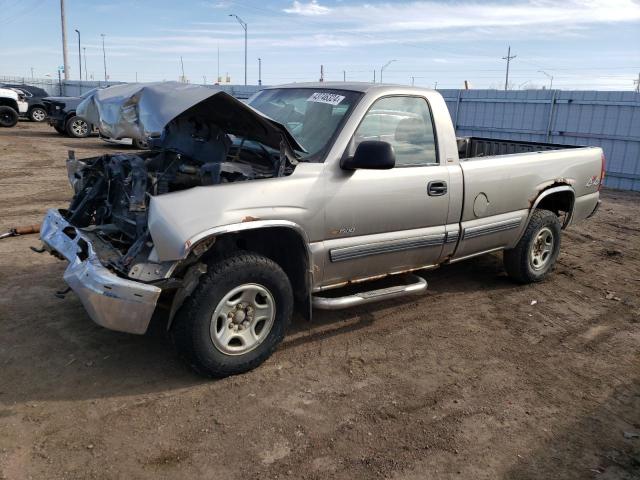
x: 418, y: 285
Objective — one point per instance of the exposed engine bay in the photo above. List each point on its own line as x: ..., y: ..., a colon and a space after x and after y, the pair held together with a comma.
x: 112, y: 191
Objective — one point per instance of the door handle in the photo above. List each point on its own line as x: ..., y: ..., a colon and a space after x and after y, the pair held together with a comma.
x: 437, y: 188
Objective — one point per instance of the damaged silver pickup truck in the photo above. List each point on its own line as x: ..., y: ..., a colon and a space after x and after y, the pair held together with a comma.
x: 239, y: 212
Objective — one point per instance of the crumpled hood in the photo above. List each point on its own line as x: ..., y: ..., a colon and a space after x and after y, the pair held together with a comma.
x: 141, y: 111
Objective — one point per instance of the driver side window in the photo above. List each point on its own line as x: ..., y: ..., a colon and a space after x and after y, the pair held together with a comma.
x: 404, y: 122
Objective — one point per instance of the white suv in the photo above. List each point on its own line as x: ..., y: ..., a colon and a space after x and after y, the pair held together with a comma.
x: 12, y: 104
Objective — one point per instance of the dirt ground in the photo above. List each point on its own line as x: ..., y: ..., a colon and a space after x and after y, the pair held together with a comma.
x: 478, y: 379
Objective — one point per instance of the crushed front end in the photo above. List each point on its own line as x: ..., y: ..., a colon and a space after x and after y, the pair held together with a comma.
x: 114, y: 267
x: 110, y: 300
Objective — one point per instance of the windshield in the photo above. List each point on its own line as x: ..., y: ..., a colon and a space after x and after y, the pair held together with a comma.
x: 312, y: 116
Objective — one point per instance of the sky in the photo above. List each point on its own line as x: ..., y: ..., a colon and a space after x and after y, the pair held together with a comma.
x: 583, y: 44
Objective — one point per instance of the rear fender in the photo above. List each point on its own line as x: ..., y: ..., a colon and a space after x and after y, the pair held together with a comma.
x: 545, y: 196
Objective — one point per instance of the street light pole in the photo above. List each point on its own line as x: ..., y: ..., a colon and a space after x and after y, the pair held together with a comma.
x: 104, y: 57
x: 84, y: 51
x: 79, y: 56
x: 244, y: 25
x: 550, y: 77
x: 259, y: 71
x: 385, y: 66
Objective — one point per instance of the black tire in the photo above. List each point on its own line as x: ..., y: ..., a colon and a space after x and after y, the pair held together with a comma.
x: 191, y: 329
x: 60, y: 130
x: 37, y: 114
x: 8, y: 116
x: 533, y: 258
x: 78, y: 127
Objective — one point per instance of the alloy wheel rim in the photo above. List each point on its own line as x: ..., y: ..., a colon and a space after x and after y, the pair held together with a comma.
x: 243, y: 319
x: 542, y: 249
x: 38, y: 115
x: 79, y: 127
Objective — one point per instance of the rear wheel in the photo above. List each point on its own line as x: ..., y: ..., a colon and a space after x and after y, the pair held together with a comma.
x: 8, y: 116
x: 536, y: 253
x: 236, y: 317
x: 37, y: 114
x: 78, y: 127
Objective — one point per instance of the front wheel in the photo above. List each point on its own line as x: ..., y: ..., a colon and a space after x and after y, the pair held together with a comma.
x: 37, y: 114
x: 536, y: 253
x: 77, y: 127
x: 236, y: 317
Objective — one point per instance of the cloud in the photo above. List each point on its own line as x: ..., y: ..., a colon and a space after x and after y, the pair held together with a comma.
x: 218, y: 4
x: 414, y: 24
x: 319, y: 40
x: 308, y: 9
x: 432, y: 15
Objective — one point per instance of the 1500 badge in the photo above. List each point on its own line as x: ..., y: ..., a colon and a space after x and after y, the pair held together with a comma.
x: 343, y: 231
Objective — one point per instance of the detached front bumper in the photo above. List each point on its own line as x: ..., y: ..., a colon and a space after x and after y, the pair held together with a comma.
x: 112, y: 302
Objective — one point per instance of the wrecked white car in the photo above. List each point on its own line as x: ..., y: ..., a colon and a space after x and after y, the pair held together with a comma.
x: 237, y: 212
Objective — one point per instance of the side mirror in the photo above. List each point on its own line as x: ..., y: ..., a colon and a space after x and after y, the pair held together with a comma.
x: 371, y: 154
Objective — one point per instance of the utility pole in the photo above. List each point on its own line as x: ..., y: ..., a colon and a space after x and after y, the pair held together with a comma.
x: 385, y: 66
x: 84, y: 51
x: 65, y: 61
x: 104, y: 57
x: 508, y: 58
x: 259, y: 71
x: 322, y: 73
x: 79, y: 57
x: 60, y: 90
x: 183, y: 80
x: 244, y: 25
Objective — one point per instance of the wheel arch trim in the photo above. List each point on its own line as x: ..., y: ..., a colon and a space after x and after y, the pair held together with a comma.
x: 242, y: 227
x: 547, y: 193
x: 254, y: 225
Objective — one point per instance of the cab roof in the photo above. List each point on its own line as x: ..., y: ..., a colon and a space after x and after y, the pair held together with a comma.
x: 362, y: 87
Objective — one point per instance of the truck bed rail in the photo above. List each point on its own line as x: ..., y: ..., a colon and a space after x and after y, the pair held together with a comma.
x: 471, y: 147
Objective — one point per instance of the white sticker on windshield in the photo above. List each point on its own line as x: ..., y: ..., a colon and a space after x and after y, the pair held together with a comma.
x: 324, y: 97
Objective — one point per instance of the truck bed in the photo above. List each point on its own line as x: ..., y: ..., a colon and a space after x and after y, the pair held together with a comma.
x: 473, y: 147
